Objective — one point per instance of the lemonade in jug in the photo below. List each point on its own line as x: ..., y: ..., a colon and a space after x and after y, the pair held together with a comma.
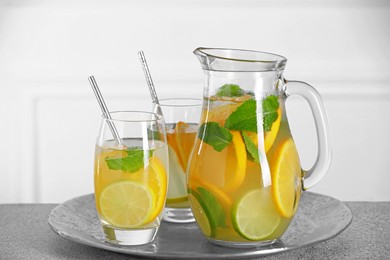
x: 244, y: 176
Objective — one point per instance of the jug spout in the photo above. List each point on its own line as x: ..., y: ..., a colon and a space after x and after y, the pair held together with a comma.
x: 236, y: 60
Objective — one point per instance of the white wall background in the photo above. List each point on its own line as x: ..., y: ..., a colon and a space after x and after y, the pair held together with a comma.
x: 49, y: 116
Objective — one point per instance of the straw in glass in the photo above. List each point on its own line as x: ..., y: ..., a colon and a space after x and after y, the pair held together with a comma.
x: 149, y: 80
x: 106, y: 112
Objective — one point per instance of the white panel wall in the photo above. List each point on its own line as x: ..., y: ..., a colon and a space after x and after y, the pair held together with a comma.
x: 49, y: 117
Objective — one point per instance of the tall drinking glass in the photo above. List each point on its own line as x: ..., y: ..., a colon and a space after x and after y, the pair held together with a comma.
x: 131, y: 178
x: 181, y: 117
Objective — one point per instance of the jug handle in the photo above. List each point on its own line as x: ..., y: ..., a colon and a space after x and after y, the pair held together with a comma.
x: 318, y: 170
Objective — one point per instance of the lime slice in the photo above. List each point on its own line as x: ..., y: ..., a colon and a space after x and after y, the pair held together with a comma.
x: 208, y: 210
x: 254, y: 216
x: 127, y: 204
x: 201, y: 214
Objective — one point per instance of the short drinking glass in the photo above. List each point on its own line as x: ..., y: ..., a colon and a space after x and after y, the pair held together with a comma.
x: 131, y: 176
x: 181, y: 117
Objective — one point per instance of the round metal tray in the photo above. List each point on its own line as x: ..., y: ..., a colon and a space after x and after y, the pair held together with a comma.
x: 318, y: 218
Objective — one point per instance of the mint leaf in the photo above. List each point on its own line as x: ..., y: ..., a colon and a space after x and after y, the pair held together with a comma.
x: 230, y: 90
x: 243, y: 118
x: 133, y: 162
x: 215, y: 135
x: 251, y: 147
x: 213, y: 206
x: 270, y: 113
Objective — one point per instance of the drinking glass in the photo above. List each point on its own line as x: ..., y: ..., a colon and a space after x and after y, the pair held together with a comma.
x: 130, y: 176
x: 181, y: 117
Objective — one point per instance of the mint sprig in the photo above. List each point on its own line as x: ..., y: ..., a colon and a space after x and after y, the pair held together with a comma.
x: 215, y: 135
x: 244, y: 118
x: 251, y: 148
x: 133, y: 162
x: 230, y: 90
x: 270, y: 111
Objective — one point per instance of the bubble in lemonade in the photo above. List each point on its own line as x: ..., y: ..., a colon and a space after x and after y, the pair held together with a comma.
x: 130, y: 186
x: 243, y: 187
x: 180, y: 138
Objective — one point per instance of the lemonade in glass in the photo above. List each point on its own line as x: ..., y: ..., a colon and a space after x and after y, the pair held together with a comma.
x: 181, y: 117
x: 131, y: 178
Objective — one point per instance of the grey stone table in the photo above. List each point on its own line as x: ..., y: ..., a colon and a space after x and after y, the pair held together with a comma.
x: 25, y: 234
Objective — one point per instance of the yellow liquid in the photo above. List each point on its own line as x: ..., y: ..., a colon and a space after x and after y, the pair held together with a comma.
x: 180, y: 138
x: 231, y: 174
x: 146, y: 176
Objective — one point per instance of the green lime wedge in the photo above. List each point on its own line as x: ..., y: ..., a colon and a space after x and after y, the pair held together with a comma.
x: 201, y: 214
x: 212, y: 204
x: 207, y: 210
x: 254, y: 216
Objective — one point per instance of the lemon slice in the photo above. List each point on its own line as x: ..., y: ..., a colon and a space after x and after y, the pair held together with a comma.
x: 269, y: 137
x: 235, y: 162
x: 286, y: 174
x: 254, y: 216
x: 157, y: 182
x: 127, y: 204
x: 225, y: 169
x: 221, y: 196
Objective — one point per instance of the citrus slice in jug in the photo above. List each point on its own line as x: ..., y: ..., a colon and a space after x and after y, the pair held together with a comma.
x: 227, y: 168
x: 127, y: 204
x: 269, y: 137
x: 207, y: 209
x: 201, y: 214
x: 286, y: 172
x: 235, y: 162
x: 254, y: 216
x: 220, y: 195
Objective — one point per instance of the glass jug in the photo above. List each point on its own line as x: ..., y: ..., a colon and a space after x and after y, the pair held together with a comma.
x: 244, y: 176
